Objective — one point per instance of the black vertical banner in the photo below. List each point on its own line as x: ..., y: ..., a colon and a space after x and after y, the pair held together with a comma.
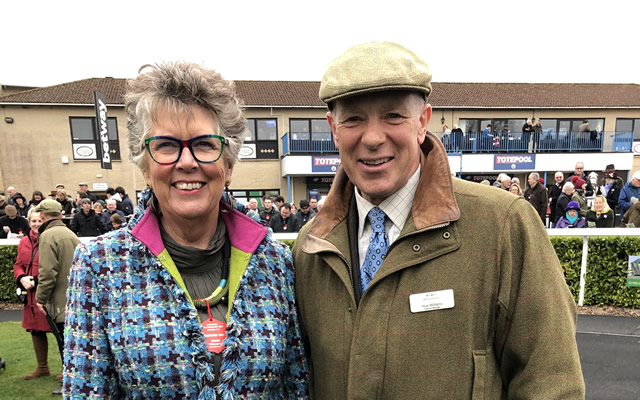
x: 102, y: 143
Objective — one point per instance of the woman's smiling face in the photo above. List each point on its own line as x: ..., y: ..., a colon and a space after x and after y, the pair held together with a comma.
x: 187, y: 190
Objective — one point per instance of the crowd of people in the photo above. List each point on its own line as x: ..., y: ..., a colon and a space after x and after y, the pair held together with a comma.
x: 86, y: 215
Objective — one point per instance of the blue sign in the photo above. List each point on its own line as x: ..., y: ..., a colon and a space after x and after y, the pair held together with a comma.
x: 512, y: 162
x: 325, y: 163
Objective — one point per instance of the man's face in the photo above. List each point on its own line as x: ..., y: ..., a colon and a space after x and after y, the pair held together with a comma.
x: 305, y: 210
x: 285, y: 212
x: 559, y: 178
x: 253, y: 204
x: 111, y: 206
x: 83, y: 188
x: 379, y: 137
x: 506, y: 183
x: 86, y: 207
x: 579, y: 169
x: 532, y: 181
x: 313, y: 203
x: 11, y: 191
x: 267, y: 204
x: 635, y: 182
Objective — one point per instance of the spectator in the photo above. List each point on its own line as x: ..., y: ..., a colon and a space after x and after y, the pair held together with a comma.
x: 253, y: 206
x: 116, y: 222
x: 579, y: 172
x: 457, y: 137
x: 554, y: 193
x: 11, y: 191
x: 515, y: 179
x: 56, y: 247
x: 631, y: 218
x: 527, y: 130
x: 313, y: 203
x: 79, y: 197
x: 303, y: 215
x: 503, y: 181
x: 563, y: 200
x: 578, y: 194
x: 25, y: 271
x: 3, y: 204
x: 571, y: 218
x: 515, y: 189
x: 86, y: 222
x: 537, y: 133
x: 321, y: 203
x: 278, y: 202
x: 268, y: 211
x: 13, y: 223
x: 584, y: 132
x: 600, y: 215
x: 536, y: 194
x: 65, y: 204
x: 112, y: 209
x: 83, y: 187
x: 612, y: 187
x: 112, y: 194
x: 59, y: 186
x: 21, y: 204
x: 127, y: 204
x: 285, y: 221
x: 629, y: 194
x: 36, y: 198
x: 97, y: 207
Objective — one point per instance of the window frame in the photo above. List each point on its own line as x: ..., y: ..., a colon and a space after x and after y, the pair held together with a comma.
x: 114, y: 144
x: 265, y: 149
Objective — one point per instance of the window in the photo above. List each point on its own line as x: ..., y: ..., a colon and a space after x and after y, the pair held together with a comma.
x: 243, y: 196
x: 84, y: 138
x: 310, y: 129
x: 261, y: 140
x: 629, y: 125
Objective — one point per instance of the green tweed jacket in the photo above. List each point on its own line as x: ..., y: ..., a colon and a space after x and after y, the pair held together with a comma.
x: 510, y: 334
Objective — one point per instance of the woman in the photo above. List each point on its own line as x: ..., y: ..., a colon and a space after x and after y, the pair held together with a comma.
x: 25, y: 271
x: 187, y: 262
x: 515, y: 189
x: 98, y: 209
x: 36, y: 198
x: 571, y: 218
x: 600, y: 215
x: 67, y: 205
x: 21, y: 205
x: 86, y: 222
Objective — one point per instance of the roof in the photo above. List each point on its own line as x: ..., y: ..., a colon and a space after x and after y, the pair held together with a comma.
x: 305, y: 94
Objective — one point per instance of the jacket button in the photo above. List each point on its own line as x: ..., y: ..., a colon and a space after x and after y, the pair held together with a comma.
x: 349, y: 309
x: 446, y: 235
x: 416, y: 247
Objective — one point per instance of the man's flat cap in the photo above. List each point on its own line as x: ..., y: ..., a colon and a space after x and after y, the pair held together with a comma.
x: 373, y: 67
x: 49, y: 206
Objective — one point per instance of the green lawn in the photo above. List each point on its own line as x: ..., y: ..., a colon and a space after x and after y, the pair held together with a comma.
x: 17, y: 351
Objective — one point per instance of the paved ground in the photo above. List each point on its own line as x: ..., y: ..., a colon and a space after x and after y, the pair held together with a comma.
x: 609, y: 351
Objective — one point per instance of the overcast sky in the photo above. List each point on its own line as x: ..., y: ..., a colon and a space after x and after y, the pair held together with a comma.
x: 47, y: 42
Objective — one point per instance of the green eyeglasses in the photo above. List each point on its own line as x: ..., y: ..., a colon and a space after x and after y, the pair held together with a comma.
x: 167, y: 150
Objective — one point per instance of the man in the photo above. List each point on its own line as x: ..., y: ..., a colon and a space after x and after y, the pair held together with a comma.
x: 503, y: 181
x: 554, y: 193
x: 537, y: 132
x: 253, y: 206
x: 284, y: 221
x: 278, y: 202
x: 127, y: 204
x: 579, y: 172
x: 563, y: 200
x: 83, y: 187
x: 629, y: 194
x: 303, y: 215
x: 11, y: 191
x: 3, y: 204
x: 461, y: 304
x: 527, y: 130
x: 313, y: 203
x: 56, y: 247
x: 536, y: 194
x: 112, y: 208
x: 13, y: 223
x: 268, y: 211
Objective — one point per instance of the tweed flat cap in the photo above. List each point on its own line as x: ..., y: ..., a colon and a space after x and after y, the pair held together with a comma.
x: 373, y: 67
x: 49, y: 206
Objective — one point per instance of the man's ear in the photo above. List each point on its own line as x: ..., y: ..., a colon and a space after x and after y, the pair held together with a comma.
x: 425, y: 117
x: 332, y: 125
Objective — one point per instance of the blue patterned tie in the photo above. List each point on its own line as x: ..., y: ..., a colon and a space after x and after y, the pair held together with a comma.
x: 377, y: 249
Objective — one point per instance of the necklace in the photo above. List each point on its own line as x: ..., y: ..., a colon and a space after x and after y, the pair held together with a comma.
x: 223, y: 286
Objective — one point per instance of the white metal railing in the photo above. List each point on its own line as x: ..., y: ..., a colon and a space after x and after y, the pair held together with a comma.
x: 585, y: 233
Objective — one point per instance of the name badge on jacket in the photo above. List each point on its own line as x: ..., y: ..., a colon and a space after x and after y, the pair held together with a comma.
x: 430, y: 301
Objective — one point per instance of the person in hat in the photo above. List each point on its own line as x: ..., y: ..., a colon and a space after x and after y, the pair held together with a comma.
x: 56, y: 247
x: 13, y: 223
x: 580, y: 186
x: 572, y: 217
x: 83, y: 187
x: 21, y: 204
x: 600, y: 215
x: 3, y: 204
x: 304, y: 214
x: 388, y: 272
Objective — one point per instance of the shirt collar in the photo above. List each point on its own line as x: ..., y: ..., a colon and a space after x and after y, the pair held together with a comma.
x: 397, y: 206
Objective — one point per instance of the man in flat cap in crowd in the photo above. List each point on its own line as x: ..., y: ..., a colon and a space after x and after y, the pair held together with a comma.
x: 406, y: 289
x: 13, y: 223
x: 56, y: 247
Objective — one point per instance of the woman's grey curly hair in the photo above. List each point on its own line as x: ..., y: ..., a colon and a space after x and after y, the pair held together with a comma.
x: 177, y: 86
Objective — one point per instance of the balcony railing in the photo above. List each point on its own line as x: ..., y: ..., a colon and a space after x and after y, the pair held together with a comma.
x: 547, y: 142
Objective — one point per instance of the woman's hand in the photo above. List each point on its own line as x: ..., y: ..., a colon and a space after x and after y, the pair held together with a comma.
x: 27, y: 282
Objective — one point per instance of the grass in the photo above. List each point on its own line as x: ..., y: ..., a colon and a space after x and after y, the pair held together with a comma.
x: 17, y: 351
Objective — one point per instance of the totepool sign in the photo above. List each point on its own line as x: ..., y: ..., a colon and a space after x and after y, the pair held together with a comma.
x: 325, y: 163
x: 514, y: 162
